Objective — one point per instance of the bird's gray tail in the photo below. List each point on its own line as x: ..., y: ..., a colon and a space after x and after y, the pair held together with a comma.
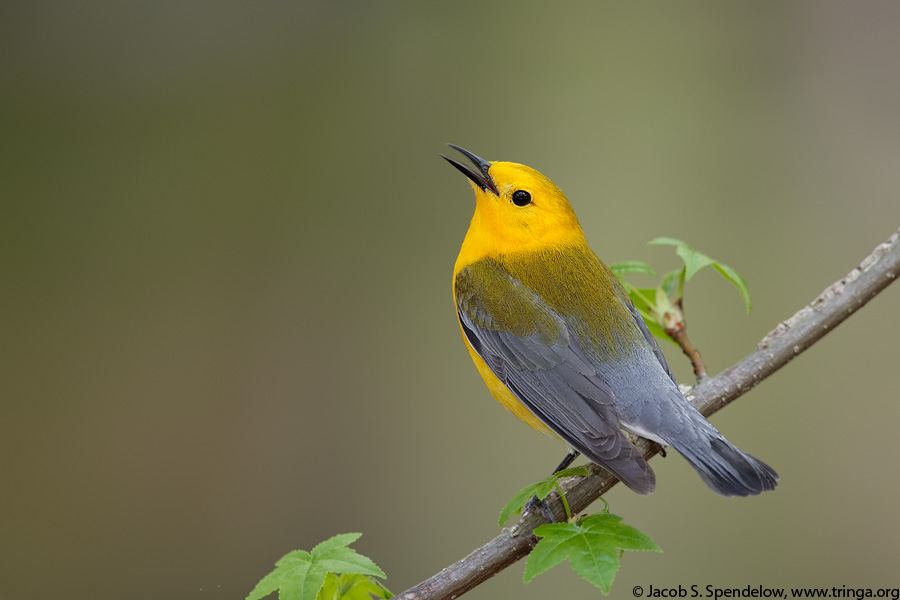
x: 726, y: 469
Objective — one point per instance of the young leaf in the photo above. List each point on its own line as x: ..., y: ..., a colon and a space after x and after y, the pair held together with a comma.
x: 346, y: 560
x: 643, y: 298
x: 540, y: 489
x: 302, y: 582
x: 266, y: 585
x: 738, y: 281
x: 644, y: 302
x: 663, y: 304
x: 667, y: 241
x: 340, y: 540
x: 592, y: 546
x: 299, y: 575
x: 694, y: 260
x: 293, y: 572
x: 671, y: 280
x: 352, y: 587
x: 631, y: 266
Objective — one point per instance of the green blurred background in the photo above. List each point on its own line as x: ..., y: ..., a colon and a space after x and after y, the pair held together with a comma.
x: 227, y: 241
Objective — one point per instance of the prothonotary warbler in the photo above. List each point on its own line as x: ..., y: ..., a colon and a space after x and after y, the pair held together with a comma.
x: 559, y: 343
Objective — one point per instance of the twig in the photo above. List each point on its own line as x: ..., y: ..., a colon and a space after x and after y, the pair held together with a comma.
x: 678, y: 332
x: 779, y: 347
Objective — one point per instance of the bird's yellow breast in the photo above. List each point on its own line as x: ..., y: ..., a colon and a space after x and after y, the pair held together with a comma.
x: 502, y: 394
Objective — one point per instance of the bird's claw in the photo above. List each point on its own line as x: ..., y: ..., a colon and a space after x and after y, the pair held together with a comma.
x: 537, y: 504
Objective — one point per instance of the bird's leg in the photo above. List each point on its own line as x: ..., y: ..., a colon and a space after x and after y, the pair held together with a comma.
x: 570, y: 457
x: 536, y: 502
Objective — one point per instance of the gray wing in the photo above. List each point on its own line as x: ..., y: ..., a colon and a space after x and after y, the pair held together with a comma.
x: 556, y: 382
x: 651, y: 341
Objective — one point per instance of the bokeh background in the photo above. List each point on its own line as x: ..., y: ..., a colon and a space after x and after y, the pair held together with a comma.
x: 227, y: 241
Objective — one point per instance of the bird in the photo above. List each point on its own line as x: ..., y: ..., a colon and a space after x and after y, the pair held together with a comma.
x: 559, y: 343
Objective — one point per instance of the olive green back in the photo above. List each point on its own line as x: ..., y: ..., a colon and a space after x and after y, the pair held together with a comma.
x: 569, y: 281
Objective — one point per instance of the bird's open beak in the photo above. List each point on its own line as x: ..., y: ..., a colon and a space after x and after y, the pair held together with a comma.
x: 479, y: 175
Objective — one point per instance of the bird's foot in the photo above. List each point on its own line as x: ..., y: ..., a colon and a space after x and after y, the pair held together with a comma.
x: 536, y: 504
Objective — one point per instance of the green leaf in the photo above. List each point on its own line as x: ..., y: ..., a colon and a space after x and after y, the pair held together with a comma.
x: 540, y: 489
x: 670, y: 281
x: 352, y: 587
x: 334, y: 556
x: 643, y: 298
x: 266, y: 585
x: 592, y: 546
x: 546, y: 485
x: 302, y: 555
x: 336, y: 586
x: 662, y: 301
x: 738, y: 281
x: 667, y: 241
x: 292, y: 572
x: 300, y: 575
x: 640, y: 297
x: 302, y: 582
x: 372, y: 588
x: 348, y: 561
x: 631, y: 266
x: 694, y: 260
x: 341, y: 540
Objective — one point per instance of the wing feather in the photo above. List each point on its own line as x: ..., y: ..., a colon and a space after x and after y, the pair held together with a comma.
x: 553, y: 378
x: 651, y: 341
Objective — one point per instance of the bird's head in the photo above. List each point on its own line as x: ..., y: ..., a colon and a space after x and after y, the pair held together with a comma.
x: 517, y: 208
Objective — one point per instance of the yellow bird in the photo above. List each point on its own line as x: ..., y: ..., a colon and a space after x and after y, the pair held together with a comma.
x: 559, y: 343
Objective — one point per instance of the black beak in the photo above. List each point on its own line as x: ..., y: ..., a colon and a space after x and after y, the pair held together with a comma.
x: 480, y: 175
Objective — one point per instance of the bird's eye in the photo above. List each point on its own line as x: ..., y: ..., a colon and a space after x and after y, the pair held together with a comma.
x: 521, y: 198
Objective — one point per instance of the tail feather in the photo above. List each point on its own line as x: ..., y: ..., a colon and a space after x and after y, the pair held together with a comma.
x: 728, y: 470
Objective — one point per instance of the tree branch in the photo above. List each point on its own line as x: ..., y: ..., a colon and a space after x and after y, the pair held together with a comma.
x: 786, y: 341
x: 678, y: 332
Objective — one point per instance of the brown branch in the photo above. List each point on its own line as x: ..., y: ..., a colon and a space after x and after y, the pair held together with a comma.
x: 678, y: 332
x: 779, y: 347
